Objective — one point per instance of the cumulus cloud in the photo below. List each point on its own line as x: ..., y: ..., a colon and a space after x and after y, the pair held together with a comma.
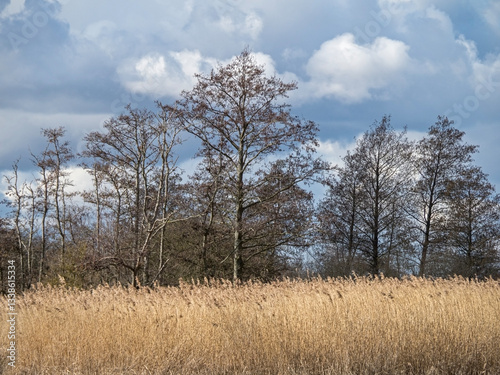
x: 350, y: 72
x: 164, y: 75
x: 169, y: 74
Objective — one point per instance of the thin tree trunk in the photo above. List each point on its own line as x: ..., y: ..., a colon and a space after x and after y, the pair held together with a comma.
x: 427, y: 231
x: 238, y: 235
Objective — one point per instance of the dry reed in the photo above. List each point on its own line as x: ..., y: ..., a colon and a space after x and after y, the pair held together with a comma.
x: 334, y: 326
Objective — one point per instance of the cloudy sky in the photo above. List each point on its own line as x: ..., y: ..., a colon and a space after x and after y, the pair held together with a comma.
x: 76, y: 63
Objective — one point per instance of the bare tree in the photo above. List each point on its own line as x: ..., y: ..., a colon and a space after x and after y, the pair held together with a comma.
x: 382, y: 162
x: 57, y: 155
x: 473, y: 229
x: 42, y: 201
x: 339, y: 221
x: 438, y: 159
x: 51, y: 191
x: 134, y: 159
x: 236, y: 113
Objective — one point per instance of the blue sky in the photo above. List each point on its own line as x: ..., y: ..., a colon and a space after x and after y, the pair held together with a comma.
x: 76, y: 63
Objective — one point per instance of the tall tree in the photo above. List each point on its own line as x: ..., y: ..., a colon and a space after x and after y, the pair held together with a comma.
x: 439, y: 158
x: 339, y: 220
x: 57, y: 156
x: 236, y: 113
x: 381, y: 159
x: 474, y: 223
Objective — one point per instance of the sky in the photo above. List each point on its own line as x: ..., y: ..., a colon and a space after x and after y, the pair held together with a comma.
x: 76, y: 63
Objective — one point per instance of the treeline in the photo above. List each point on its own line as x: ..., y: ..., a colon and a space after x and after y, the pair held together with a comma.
x: 402, y: 207
x: 393, y: 206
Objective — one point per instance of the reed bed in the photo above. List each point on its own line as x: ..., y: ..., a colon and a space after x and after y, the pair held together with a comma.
x: 320, y: 326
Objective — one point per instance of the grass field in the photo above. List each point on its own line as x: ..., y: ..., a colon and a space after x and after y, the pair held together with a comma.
x: 339, y: 326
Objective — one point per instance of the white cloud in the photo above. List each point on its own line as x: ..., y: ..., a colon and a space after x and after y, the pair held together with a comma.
x: 265, y: 60
x: 160, y: 75
x: 469, y: 47
x: 151, y: 67
x: 415, y: 135
x: 333, y: 151
x: 192, y: 62
x: 270, y: 70
x: 13, y: 8
x: 80, y: 179
x: 485, y: 73
x: 350, y: 72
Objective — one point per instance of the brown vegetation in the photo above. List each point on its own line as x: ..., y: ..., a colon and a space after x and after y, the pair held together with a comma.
x: 334, y: 326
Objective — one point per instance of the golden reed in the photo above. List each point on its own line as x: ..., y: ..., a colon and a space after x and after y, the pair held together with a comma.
x: 320, y: 326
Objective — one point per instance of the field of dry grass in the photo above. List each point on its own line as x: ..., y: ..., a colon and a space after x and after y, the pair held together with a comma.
x: 356, y: 326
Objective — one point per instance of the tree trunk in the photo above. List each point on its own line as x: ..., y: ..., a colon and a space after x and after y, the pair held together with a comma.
x: 238, y: 237
x: 427, y: 232
x: 425, y: 249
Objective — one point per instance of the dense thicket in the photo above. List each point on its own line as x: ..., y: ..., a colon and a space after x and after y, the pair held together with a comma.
x: 247, y: 211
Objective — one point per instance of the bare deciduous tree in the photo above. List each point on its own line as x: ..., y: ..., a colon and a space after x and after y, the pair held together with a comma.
x: 339, y: 221
x: 382, y: 162
x: 236, y: 113
x: 134, y: 158
x: 473, y: 228
x: 438, y: 159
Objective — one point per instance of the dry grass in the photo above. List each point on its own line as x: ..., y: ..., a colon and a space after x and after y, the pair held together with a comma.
x: 357, y: 326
